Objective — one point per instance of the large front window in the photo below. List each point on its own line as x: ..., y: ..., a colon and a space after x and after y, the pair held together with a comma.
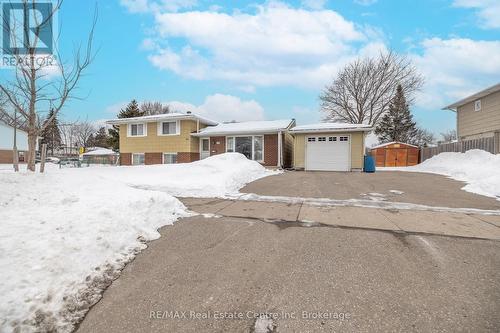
x: 250, y: 146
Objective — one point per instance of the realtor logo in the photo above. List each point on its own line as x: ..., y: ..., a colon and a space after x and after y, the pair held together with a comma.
x: 27, y: 26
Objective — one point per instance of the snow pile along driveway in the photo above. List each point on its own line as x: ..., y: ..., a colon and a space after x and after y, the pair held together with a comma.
x: 478, y: 168
x: 216, y: 176
x: 66, y: 234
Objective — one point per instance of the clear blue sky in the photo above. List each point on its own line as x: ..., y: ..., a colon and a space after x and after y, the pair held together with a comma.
x: 270, y: 59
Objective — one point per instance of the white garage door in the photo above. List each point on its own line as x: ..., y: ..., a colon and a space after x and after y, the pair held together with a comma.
x: 328, y: 153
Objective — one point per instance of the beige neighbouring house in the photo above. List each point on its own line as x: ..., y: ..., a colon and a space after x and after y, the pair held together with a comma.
x: 478, y: 116
x: 329, y: 146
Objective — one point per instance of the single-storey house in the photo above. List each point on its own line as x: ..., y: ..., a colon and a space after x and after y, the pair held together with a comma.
x: 478, y: 115
x: 395, y: 154
x: 7, y: 144
x: 329, y: 146
x: 99, y: 155
x: 267, y: 142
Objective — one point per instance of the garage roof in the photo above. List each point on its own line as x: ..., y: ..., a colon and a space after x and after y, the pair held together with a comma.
x: 331, y: 127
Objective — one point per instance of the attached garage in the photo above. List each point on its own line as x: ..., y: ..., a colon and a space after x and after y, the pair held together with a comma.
x: 329, y: 146
x: 395, y: 154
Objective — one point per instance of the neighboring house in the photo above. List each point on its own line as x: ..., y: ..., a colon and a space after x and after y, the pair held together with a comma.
x: 478, y: 116
x: 7, y: 143
x: 395, y: 154
x: 329, y: 146
x: 267, y: 142
x: 99, y: 155
x: 158, y: 139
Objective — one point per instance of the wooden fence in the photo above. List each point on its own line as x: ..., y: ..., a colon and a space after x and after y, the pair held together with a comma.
x: 490, y: 144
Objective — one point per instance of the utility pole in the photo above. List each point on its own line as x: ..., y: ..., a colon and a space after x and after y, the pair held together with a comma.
x: 15, y: 156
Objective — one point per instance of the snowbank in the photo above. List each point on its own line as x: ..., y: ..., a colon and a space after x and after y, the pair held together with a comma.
x: 66, y: 234
x: 216, y: 176
x: 478, y: 168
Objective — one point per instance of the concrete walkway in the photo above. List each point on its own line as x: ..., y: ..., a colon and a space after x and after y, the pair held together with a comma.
x: 429, y: 222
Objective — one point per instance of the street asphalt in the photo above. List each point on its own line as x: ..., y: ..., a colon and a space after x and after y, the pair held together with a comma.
x: 220, y: 273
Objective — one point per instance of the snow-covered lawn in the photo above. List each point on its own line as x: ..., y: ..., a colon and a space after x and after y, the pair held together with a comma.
x: 478, y: 168
x: 65, y: 234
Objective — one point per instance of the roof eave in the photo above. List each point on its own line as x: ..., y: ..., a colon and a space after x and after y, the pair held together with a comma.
x: 271, y: 131
x: 332, y: 130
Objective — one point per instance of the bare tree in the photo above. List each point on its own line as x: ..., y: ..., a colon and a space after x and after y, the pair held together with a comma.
x: 449, y: 136
x: 422, y: 138
x: 363, y: 89
x: 68, y: 137
x: 154, y: 108
x: 83, y: 133
x: 32, y: 92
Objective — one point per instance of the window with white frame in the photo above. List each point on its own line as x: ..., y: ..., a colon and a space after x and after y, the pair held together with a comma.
x: 250, y: 146
x: 168, y: 128
x: 344, y: 138
x: 322, y: 138
x: 311, y: 139
x: 137, y: 158
x: 332, y: 138
x: 477, y: 105
x: 137, y: 129
x: 230, y: 145
x: 169, y: 158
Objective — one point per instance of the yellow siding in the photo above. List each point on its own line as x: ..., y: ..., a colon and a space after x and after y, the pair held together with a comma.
x: 152, y: 143
x: 357, y: 149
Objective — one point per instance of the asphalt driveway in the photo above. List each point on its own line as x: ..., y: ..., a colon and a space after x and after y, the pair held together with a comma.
x: 313, y: 279
x: 418, y: 188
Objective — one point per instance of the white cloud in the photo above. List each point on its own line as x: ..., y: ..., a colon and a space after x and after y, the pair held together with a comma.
x: 277, y: 45
x: 144, y: 6
x: 456, y: 68
x: 221, y: 107
x: 314, y: 4
x: 488, y: 11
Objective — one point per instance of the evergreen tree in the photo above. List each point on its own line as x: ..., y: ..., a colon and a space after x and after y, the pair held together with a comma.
x: 397, y: 124
x: 51, y: 134
x: 132, y: 110
x: 101, y: 138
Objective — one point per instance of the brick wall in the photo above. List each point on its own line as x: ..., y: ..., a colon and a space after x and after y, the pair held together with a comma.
x: 183, y: 157
x: 6, y: 156
x: 153, y: 158
x: 125, y: 159
x: 217, y: 145
x: 271, y: 150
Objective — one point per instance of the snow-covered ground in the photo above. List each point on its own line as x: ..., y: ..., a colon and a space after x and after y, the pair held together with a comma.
x: 479, y: 169
x: 66, y: 234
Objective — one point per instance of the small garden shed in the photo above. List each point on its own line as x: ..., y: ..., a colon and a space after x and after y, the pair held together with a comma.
x: 395, y: 154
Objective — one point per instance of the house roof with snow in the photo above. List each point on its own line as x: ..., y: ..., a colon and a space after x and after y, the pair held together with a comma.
x: 331, y: 127
x: 163, y: 117
x: 100, y: 152
x: 471, y: 98
x: 247, y: 127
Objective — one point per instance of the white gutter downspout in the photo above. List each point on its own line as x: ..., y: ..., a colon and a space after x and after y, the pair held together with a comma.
x: 280, y: 143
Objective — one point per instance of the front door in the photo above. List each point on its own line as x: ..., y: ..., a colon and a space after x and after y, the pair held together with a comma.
x: 205, y: 148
